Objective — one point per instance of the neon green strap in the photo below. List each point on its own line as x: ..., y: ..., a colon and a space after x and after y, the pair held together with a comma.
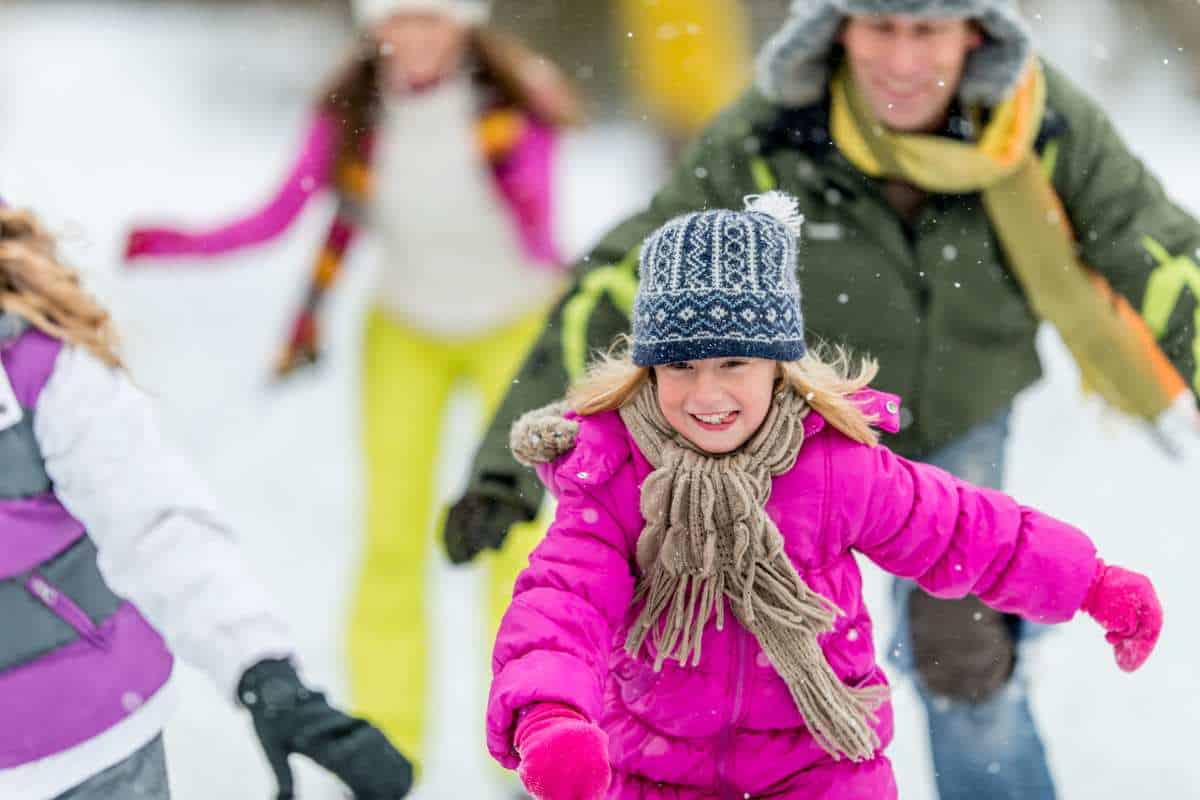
x: 760, y: 173
x: 619, y: 282
x: 1050, y: 158
x: 1163, y: 291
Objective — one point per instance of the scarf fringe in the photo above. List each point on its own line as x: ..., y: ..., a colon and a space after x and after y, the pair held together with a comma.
x: 841, y: 718
x: 684, y: 604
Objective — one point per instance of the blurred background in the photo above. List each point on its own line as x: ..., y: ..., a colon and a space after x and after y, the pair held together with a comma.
x: 117, y: 112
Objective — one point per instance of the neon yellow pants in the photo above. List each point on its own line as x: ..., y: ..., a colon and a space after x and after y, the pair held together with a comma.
x: 408, y: 378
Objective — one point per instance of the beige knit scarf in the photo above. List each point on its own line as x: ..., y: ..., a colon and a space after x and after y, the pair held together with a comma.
x: 708, y: 538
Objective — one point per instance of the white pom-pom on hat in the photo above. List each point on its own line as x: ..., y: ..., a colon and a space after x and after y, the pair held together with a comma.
x: 778, y: 205
x: 469, y: 12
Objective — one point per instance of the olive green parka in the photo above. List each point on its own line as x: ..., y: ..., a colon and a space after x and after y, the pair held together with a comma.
x: 931, y: 298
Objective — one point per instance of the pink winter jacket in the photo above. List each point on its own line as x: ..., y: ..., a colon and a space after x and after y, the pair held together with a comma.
x: 728, y: 728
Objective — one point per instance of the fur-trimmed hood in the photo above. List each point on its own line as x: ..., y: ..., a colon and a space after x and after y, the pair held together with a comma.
x: 542, y: 435
x: 793, y: 66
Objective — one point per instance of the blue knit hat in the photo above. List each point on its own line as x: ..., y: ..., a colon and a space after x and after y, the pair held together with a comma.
x: 721, y: 283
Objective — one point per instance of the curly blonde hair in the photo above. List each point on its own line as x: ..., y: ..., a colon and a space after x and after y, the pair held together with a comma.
x: 825, y: 376
x: 37, y: 287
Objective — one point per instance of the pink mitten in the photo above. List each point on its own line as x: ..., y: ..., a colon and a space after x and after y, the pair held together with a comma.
x: 563, y: 756
x: 1125, y: 605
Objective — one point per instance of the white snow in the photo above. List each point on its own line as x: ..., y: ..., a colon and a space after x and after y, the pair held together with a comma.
x: 111, y: 113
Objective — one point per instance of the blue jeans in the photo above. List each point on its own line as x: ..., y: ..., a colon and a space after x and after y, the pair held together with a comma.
x: 988, y: 750
x: 142, y: 776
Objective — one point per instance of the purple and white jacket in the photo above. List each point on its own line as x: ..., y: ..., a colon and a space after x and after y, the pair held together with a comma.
x: 106, y: 541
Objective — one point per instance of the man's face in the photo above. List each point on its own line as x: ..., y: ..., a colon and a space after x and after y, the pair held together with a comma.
x: 908, y: 68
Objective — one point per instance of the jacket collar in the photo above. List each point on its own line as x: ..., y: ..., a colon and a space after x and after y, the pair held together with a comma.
x: 603, y: 444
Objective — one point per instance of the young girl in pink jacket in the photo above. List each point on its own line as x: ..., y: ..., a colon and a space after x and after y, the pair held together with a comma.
x: 693, y: 625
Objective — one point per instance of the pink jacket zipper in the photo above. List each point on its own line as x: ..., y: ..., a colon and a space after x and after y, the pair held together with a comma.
x: 725, y: 748
x: 65, y: 609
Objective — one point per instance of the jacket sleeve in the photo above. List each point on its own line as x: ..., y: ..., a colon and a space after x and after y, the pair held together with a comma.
x: 954, y: 539
x: 1128, y: 228
x: 554, y: 640
x: 162, y: 542
x: 598, y: 302
x: 311, y: 172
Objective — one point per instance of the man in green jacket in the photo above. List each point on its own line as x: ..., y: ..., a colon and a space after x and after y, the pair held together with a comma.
x: 927, y: 146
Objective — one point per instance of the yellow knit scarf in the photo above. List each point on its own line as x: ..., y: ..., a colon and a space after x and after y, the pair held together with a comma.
x: 1114, y: 349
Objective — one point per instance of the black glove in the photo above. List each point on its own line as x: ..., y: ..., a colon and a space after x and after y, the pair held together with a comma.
x: 290, y: 718
x: 479, y: 520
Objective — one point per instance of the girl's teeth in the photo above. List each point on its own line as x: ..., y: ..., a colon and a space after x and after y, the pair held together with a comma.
x: 713, y: 419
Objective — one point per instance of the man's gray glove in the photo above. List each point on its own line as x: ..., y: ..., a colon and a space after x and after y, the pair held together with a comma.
x: 477, y: 521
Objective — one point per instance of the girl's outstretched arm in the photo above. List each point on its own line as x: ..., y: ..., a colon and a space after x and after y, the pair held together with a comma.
x: 163, y: 545
x: 311, y: 172
x: 954, y: 538
x: 162, y: 541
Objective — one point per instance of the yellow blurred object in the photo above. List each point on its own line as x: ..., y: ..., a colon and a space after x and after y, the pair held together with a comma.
x: 688, y: 59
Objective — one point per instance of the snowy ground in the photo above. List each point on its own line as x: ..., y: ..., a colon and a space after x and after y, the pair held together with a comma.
x: 112, y: 113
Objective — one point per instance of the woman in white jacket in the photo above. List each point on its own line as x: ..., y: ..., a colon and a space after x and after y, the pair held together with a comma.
x: 113, y: 558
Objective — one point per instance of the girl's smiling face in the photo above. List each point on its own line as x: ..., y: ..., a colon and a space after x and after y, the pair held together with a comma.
x: 716, y: 403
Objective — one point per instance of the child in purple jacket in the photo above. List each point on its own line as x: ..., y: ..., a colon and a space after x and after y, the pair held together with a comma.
x: 108, y: 544
x: 693, y: 624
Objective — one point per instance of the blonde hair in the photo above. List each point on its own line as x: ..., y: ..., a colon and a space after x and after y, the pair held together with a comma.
x: 825, y: 377
x: 37, y: 287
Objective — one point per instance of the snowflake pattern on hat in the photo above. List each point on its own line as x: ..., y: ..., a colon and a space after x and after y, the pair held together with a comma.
x: 721, y: 283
